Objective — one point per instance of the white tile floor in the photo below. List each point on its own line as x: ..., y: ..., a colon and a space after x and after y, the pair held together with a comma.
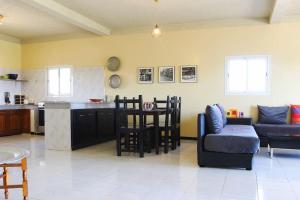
x: 95, y: 173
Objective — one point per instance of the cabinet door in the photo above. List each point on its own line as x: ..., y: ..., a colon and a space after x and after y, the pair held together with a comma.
x: 25, y: 118
x: 3, y: 122
x: 84, y: 127
x: 105, y: 124
x: 15, y: 121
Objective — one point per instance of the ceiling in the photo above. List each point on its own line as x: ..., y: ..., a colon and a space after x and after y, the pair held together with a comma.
x: 27, y: 21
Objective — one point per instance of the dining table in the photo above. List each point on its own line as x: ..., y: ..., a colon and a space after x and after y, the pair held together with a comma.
x: 14, y: 157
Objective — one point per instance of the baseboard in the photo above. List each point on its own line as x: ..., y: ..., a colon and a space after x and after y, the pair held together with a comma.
x: 32, y: 133
x: 188, y: 138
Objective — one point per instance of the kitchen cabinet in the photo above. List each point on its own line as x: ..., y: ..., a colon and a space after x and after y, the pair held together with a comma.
x: 14, y: 118
x: 3, y: 123
x: 105, y: 124
x: 91, y: 126
x: 14, y: 122
x: 25, y: 120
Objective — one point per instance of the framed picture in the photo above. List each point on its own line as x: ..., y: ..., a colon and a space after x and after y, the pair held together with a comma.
x: 145, y: 75
x: 166, y: 74
x: 188, y: 74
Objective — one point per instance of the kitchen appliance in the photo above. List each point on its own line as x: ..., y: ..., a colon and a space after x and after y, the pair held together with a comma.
x: 19, y: 99
x: 34, y: 121
x: 41, y: 111
x: 6, y: 97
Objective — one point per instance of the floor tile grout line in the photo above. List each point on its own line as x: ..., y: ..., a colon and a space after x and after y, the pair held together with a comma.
x: 223, y: 186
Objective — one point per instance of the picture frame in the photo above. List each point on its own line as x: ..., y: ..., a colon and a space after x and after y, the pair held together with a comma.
x: 166, y: 74
x: 145, y: 75
x: 188, y: 74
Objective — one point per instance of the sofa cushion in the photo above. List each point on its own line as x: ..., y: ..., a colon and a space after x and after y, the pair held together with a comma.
x: 233, y: 139
x: 224, y: 118
x: 272, y: 115
x: 263, y: 129
x: 295, y: 114
x: 214, y: 119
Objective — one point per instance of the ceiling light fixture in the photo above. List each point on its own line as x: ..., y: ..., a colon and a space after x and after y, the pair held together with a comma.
x: 1, y: 19
x: 156, y: 32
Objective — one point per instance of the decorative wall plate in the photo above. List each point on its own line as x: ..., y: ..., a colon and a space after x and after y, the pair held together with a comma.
x: 114, y: 81
x: 113, y: 63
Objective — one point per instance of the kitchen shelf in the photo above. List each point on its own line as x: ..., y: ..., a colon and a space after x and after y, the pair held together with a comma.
x: 13, y: 80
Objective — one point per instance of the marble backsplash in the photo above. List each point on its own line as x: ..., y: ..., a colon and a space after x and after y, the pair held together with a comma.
x: 9, y: 86
x: 88, y: 82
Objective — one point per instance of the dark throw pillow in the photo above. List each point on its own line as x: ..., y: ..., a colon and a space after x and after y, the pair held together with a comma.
x: 214, y: 119
x: 223, y: 114
x: 272, y: 115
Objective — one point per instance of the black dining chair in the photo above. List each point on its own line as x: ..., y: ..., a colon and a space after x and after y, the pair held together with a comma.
x: 178, y: 121
x: 168, y: 126
x: 131, y: 129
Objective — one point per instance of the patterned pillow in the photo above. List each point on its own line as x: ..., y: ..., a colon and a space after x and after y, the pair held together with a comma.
x: 295, y: 114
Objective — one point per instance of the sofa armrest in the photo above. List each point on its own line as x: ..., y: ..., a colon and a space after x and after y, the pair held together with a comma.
x: 240, y: 121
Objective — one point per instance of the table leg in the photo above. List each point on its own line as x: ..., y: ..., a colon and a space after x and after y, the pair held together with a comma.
x: 268, y: 148
x: 25, y: 181
x: 156, y: 132
x: 271, y: 152
x: 5, y: 184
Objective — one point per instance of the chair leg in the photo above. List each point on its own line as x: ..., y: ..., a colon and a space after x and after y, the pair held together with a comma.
x: 118, y: 144
x: 166, y: 141
x: 178, y: 135
x: 141, y: 144
x: 25, y: 181
x: 173, y: 139
x: 5, y: 184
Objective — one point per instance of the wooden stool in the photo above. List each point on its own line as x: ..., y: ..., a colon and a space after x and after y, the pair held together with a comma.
x: 24, y: 185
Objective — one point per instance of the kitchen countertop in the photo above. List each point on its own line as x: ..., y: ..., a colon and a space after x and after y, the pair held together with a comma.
x: 17, y: 107
x: 77, y: 106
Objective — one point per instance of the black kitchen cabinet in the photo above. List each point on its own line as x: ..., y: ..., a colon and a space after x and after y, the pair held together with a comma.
x: 92, y: 126
x: 105, y: 124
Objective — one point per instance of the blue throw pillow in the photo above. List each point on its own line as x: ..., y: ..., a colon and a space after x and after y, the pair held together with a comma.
x: 214, y: 119
x: 272, y: 115
x: 223, y: 114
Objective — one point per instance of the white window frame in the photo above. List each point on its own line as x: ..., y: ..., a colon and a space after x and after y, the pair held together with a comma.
x: 247, y: 93
x: 71, y: 80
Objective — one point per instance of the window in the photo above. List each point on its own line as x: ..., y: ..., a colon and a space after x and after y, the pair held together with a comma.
x: 59, y: 81
x: 247, y: 75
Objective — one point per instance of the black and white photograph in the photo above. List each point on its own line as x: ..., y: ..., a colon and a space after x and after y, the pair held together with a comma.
x: 188, y: 74
x: 166, y: 74
x: 145, y: 75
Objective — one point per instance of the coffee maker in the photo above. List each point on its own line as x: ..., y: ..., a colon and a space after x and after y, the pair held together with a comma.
x: 6, y: 97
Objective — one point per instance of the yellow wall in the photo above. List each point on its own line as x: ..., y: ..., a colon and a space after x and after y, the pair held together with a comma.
x: 10, y: 55
x: 206, y: 48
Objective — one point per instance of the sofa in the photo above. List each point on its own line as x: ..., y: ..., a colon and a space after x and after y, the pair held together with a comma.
x: 273, y: 121
x: 281, y: 129
x: 233, y: 146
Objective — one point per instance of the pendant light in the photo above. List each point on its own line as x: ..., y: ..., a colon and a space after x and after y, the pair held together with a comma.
x: 1, y: 19
x: 156, y: 32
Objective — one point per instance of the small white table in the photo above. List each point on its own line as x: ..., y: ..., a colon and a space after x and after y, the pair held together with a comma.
x: 14, y: 157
